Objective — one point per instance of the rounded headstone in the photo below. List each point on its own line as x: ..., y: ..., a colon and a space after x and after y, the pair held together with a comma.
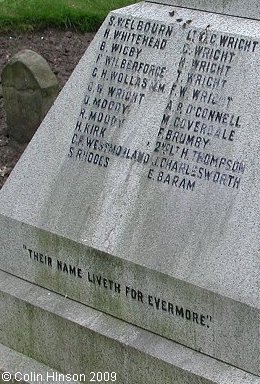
x: 29, y: 89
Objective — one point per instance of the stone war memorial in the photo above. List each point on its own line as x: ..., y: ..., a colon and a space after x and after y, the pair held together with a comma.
x: 130, y: 226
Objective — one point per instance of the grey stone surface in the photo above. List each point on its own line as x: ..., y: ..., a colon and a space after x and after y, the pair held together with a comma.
x: 135, y: 294
x: 150, y: 180
x: 29, y: 89
x: 250, y: 9
x: 22, y: 369
x: 82, y: 340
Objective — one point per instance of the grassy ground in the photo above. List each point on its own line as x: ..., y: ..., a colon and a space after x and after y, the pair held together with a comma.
x: 84, y: 15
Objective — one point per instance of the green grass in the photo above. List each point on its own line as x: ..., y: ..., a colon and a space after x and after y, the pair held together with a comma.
x: 83, y: 15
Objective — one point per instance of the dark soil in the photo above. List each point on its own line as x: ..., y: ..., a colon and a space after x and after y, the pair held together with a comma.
x: 62, y: 50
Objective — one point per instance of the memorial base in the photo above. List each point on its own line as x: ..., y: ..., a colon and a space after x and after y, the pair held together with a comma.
x: 77, y: 340
x: 18, y: 368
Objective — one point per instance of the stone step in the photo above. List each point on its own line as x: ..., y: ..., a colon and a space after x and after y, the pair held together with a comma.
x: 201, y: 319
x: 18, y: 368
x: 75, y: 339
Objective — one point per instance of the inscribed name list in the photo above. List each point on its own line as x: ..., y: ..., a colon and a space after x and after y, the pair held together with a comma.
x: 200, y: 122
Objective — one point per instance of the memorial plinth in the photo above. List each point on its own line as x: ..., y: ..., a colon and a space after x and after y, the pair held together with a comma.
x: 139, y: 197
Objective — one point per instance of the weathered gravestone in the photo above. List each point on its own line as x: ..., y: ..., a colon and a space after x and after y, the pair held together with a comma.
x: 29, y: 89
x: 139, y: 197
